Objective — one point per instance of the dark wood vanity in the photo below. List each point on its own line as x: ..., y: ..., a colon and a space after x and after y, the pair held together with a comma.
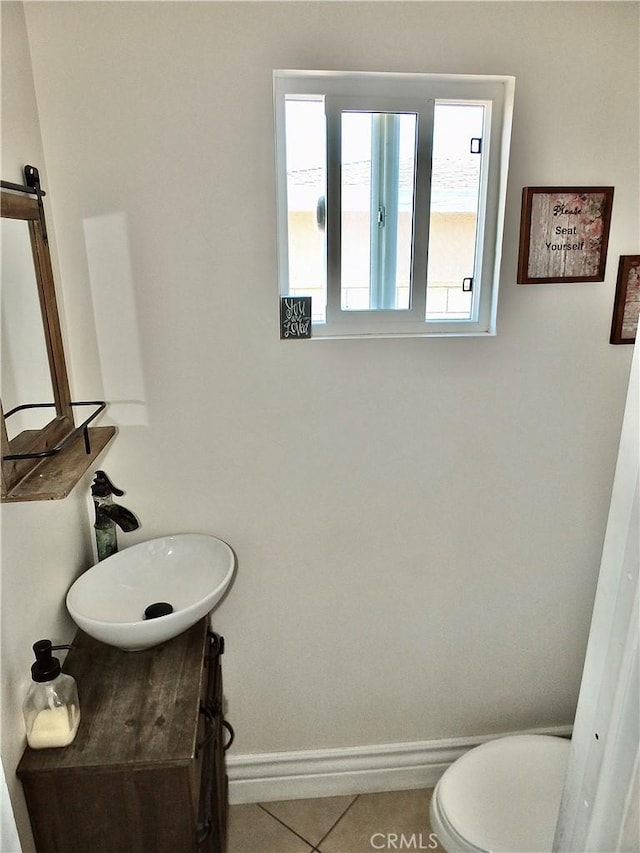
x: 146, y: 772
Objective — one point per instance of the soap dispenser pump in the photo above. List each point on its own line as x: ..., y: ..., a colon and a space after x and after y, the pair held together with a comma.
x: 51, y: 708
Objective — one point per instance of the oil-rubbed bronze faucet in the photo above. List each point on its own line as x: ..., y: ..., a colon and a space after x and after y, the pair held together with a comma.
x: 108, y: 515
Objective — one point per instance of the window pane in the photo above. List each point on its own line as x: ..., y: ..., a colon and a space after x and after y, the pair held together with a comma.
x: 455, y: 192
x: 306, y: 189
x: 356, y: 210
x: 378, y: 177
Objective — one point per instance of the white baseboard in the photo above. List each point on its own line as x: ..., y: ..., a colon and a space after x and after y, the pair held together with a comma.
x: 306, y: 774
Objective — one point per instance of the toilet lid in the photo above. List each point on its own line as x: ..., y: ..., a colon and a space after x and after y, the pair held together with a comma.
x: 504, y: 796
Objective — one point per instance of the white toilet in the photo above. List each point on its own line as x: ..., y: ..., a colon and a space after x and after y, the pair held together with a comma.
x: 503, y: 796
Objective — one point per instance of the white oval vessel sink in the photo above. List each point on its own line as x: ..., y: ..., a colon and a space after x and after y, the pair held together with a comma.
x: 189, y: 571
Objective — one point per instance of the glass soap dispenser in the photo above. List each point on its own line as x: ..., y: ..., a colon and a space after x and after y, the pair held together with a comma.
x: 51, y: 708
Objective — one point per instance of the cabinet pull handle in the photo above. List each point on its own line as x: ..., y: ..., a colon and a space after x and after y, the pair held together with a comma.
x: 216, y: 643
x: 204, y: 830
x: 232, y: 734
x: 210, y: 719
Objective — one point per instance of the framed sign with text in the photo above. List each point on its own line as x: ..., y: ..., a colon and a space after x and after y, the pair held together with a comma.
x: 564, y: 232
x: 626, y: 306
x: 295, y: 317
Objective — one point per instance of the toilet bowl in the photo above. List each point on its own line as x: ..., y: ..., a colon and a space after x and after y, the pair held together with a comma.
x: 503, y: 796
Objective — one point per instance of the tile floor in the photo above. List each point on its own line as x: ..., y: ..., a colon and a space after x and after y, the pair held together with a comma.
x: 361, y: 823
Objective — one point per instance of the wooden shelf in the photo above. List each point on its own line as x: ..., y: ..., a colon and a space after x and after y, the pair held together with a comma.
x: 55, y: 476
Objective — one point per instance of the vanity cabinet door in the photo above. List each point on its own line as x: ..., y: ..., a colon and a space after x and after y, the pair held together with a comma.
x: 212, y: 819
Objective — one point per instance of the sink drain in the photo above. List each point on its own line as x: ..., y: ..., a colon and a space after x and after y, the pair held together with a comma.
x: 158, y: 608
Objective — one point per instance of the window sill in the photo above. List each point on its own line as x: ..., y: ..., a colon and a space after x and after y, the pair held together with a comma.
x: 348, y: 336
x: 55, y: 477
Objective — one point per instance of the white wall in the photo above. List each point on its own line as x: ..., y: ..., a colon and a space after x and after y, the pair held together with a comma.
x: 419, y: 522
x: 44, y: 545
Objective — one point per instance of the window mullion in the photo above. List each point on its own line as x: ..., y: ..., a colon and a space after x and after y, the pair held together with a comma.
x: 281, y: 162
x: 385, y: 162
x: 482, y: 299
x: 334, y: 207
x: 422, y: 210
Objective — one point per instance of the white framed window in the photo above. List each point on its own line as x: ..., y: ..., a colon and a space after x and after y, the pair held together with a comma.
x: 391, y: 194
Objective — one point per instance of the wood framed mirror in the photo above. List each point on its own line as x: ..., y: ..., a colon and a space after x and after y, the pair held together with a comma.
x: 43, y: 452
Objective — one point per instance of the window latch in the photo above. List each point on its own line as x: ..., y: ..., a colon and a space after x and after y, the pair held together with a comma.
x: 467, y: 284
x: 381, y: 216
x: 476, y: 145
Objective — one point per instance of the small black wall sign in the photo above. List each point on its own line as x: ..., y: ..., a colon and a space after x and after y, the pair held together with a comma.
x: 295, y: 317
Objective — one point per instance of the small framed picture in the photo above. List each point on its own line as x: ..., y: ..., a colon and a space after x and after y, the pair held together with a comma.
x: 626, y: 306
x: 295, y: 317
x: 564, y: 232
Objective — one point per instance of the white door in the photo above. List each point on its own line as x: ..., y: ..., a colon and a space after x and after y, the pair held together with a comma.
x: 599, y: 809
